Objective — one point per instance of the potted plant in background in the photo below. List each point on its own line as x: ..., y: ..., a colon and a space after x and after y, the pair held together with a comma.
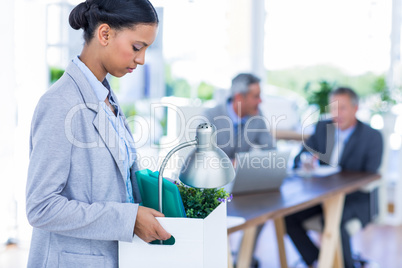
x: 55, y: 73
x: 383, y: 95
x: 381, y: 103
x: 317, y: 93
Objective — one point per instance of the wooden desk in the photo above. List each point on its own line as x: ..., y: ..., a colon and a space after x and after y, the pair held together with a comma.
x: 297, y: 194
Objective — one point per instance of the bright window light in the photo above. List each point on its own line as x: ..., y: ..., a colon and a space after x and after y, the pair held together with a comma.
x: 377, y: 122
x: 398, y: 125
x: 395, y: 141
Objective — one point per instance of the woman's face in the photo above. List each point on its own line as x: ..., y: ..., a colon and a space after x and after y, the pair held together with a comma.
x: 126, y: 48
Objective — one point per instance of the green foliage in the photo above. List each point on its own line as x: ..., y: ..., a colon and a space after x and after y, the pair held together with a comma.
x: 163, y: 123
x: 380, y: 86
x: 114, y: 83
x: 318, y: 93
x: 55, y: 74
x: 181, y: 88
x: 128, y: 109
x: 205, y: 91
x: 178, y: 87
x: 198, y: 203
x: 296, y: 78
x: 386, y: 97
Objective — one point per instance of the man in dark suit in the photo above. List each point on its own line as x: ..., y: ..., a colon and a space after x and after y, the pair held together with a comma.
x: 354, y: 146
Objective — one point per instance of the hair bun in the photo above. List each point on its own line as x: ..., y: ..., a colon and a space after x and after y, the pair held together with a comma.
x: 77, y: 17
x: 118, y: 14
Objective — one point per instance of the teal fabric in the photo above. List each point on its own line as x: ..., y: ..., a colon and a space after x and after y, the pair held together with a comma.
x: 148, y: 185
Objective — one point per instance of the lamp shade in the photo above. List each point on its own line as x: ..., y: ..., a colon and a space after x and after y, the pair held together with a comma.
x: 207, y: 166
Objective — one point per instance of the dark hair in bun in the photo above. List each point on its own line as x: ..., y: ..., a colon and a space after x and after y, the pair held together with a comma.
x: 117, y: 14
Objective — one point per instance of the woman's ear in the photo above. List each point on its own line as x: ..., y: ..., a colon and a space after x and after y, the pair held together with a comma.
x: 103, y: 34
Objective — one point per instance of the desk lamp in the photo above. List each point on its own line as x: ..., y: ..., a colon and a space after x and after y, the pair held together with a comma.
x: 207, y: 166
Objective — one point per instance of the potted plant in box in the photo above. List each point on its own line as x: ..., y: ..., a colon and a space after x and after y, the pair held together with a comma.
x: 198, y: 203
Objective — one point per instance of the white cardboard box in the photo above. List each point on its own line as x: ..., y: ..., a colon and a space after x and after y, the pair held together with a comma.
x: 200, y: 243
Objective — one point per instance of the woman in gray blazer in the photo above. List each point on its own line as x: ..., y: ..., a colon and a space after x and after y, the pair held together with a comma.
x: 82, y: 195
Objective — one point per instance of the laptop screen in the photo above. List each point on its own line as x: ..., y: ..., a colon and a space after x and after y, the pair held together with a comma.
x: 259, y: 171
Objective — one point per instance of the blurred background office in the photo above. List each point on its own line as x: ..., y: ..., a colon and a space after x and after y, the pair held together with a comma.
x: 299, y: 49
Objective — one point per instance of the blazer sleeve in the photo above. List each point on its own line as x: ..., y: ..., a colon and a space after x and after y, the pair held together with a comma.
x: 265, y: 137
x: 374, y: 153
x: 48, y: 172
x: 259, y: 124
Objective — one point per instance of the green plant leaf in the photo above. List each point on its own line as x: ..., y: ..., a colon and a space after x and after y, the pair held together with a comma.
x: 198, y: 203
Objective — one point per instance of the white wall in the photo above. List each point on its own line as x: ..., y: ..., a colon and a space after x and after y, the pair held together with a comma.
x: 8, y: 122
x: 32, y: 81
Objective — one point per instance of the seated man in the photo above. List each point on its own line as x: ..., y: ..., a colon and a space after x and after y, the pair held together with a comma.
x: 352, y: 145
x: 239, y: 122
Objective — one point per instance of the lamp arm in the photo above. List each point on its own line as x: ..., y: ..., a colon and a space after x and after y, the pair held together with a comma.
x: 162, y: 168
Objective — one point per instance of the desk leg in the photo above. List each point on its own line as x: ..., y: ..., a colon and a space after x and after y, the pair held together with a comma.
x: 230, y: 259
x: 245, y: 253
x: 280, y: 233
x: 333, y: 207
x: 338, y: 262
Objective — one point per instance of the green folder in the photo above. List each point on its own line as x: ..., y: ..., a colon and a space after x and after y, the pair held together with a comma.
x: 148, y: 185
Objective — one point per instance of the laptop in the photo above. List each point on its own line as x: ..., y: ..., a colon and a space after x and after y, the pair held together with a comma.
x: 258, y: 171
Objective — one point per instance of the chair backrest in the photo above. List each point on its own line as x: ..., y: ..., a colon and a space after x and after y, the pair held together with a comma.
x: 314, y: 223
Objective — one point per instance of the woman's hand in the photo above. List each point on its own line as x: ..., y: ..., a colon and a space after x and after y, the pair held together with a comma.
x: 147, y: 227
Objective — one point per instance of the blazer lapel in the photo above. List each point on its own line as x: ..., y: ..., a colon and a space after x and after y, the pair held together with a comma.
x: 109, y: 137
x: 329, y: 146
x: 134, y: 168
x: 101, y: 121
x: 121, y: 114
x: 350, y: 144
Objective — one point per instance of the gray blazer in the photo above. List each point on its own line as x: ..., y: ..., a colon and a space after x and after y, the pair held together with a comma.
x: 254, y: 134
x: 75, y: 195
